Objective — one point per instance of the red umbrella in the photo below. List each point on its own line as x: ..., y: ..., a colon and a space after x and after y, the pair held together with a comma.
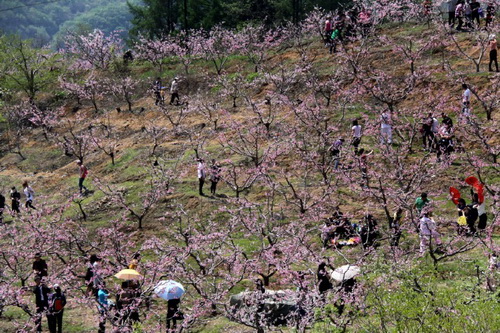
x: 455, y: 195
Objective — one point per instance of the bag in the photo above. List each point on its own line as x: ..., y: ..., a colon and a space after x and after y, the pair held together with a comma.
x: 58, y: 304
x: 462, y: 220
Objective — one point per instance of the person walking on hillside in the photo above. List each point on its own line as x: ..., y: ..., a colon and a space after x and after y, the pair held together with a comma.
x: 57, y: 301
x: 428, y: 233
x: 421, y: 202
x: 385, y: 128
x: 92, y: 277
x: 41, y: 293
x: 157, y: 85
x: 83, y: 171
x: 466, y: 100
x: 202, y: 174
x: 30, y: 195
x: 356, y: 134
x: 336, y: 150
x: 493, y: 46
x: 214, y: 176
x: 427, y: 133
x: 15, y: 196
x: 173, y: 314
x: 174, y: 91
x: 103, y: 306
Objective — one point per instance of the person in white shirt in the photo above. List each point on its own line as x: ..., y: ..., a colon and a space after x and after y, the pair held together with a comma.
x: 435, y: 125
x: 466, y: 95
x: 30, y: 195
x: 174, y: 91
x: 386, y: 128
x: 201, y: 175
x: 428, y: 233
x: 356, y: 135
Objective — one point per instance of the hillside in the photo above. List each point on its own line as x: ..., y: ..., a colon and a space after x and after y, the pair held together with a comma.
x: 269, y: 114
x: 48, y: 22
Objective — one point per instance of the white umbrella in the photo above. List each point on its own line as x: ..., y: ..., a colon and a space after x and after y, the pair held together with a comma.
x: 169, y: 289
x: 345, y: 272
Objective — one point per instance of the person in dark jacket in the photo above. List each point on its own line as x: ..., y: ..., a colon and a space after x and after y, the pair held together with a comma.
x: 41, y: 292
x: 173, y: 314
x: 157, y: 85
x: 2, y: 207
x: 214, y: 176
x: 15, y: 196
x: 57, y: 301
x: 324, y: 283
x: 39, y: 266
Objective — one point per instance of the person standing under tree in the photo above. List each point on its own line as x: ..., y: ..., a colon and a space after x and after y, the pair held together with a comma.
x: 83, y: 174
x: 41, y: 301
x: 30, y: 195
x: 57, y: 301
x: 15, y: 196
x: 173, y: 314
x: 214, y: 176
x: 466, y: 100
x: 201, y: 175
x: 493, y: 52
x: 356, y: 134
x: 174, y: 91
x: 157, y: 91
x: 386, y: 128
x: 428, y: 233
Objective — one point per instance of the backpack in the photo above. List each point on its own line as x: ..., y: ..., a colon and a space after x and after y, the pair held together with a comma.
x: 57, y: 304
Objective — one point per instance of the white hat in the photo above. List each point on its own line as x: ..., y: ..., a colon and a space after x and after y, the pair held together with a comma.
x: 492, y: 36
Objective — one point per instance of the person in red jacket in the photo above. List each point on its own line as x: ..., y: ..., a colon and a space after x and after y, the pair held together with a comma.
x: 83, y: 174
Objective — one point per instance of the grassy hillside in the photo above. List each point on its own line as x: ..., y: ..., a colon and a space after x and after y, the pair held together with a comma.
x: 292, y: 195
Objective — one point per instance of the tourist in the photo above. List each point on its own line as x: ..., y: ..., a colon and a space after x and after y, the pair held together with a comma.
x: 30, y: 195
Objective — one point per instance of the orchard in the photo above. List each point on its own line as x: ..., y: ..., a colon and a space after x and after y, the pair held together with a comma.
x: 290, y: 154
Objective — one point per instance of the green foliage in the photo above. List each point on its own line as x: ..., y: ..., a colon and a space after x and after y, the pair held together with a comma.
x: 47, y: 22
x: 24, y: 67
x: 154, y: 18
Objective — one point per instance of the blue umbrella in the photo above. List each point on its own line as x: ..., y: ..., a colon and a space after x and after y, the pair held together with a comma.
x: 169, y: 289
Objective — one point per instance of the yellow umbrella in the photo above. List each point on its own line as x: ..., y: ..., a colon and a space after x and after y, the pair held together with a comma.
x: 128, y: 274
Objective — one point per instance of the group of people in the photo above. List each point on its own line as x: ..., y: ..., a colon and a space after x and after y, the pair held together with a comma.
x: 124, y: 311
x: 469, y: 212
x: 48, y: 301
x: 15, y: 197
x: 29, y: 193
x: 345, y: 25
x: 214, y: 174
x: 469, y: 13
x: 339, y: 231
x: 159, y: 91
